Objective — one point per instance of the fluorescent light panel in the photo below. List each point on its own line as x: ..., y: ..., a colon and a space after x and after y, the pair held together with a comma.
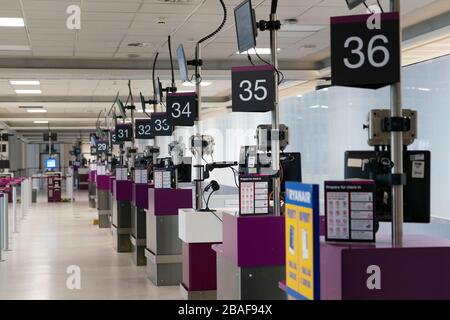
x: 260, y: 51
x: 40, y: 121
x: 6, y: 47
x: 202, y: 84
x: 25, y: 82
x: 36, y: 110
x: 28, y: 91
x: 11, y: 22
x: 301, y: 28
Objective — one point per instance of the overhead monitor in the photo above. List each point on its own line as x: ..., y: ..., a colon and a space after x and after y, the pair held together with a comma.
x: 182, y: 63
x: 245, y: 22
x: 4, y: 164
x: 376, y: 165
x: 142, y: 101
x: 50, y: 136
x: 50, y: 163
x: 121, y: 109
x: 157, y: 90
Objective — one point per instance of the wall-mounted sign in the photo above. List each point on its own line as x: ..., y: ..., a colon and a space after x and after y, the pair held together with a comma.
x: 365, y: 50
x: 124, y: 132
x: 253, y: 88
x: 160, y: 125
x: 181, y: 108
x: 302, y: 241
x: 143, y: 129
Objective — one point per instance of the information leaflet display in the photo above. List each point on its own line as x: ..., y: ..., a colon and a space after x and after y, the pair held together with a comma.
x: 140, y: 176
x: 254, y: 194
x: 163, y: 179
x: 302, y: 241
x: 121, y: 173
x: 349, y: 210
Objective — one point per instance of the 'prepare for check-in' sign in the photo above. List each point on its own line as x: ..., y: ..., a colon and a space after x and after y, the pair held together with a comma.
x: 253, y: 89
x: 124, y: 132
x: 102, y: 147
x: 181, y: 108
x: 143, y: 129
x: 160, y: 125
x: 365, y: 50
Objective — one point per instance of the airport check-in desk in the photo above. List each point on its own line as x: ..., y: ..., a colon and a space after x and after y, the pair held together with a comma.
x: 163, y: 251
x: 198, y: 231
x: 92, y: 189
x: 138, y: 233
x: 103, y: 200
x: 121, y: 215
x: 251, y: 259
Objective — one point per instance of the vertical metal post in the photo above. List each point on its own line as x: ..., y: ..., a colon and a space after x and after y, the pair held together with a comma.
x: 1, y: 226
x: 22, y: 199
x: 14, y: 208
x: 397, y: 152
x: 275, y: 143
x: 198, y: 131
x: 5, y: 223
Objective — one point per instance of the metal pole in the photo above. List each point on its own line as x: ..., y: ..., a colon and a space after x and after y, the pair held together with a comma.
x: 14, y: 208
x: 397, y: 152
x: 5, y: 222
x: 22, y: 199
x: 1, y: 227
x: 198, y: 131
x: 275, y: 143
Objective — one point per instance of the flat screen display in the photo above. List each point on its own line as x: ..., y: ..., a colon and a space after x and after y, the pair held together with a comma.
x: 50, y: 163
x: 182, y: 63
x: 245, y: 26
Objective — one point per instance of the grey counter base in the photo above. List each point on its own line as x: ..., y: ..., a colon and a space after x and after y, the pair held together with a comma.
x: 258, y: 283
x: 197, y: 295
x: 92, y: 192
x: 104, y: 219
x: 138, y: 251
x: 121, y: 239
x: 163, y: 270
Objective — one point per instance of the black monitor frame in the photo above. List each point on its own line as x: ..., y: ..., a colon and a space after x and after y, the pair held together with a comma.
x: 245, y: 5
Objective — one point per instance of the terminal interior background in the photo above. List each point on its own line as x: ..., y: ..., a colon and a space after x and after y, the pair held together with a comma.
x: 80, y: 71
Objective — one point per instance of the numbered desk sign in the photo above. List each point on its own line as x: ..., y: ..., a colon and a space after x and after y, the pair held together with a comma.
x: 253, y: 88
x: 160, y: 125
x: 365, y: 50
x: 124, y: 132
x: 102, y: 147
x: 112, y: 136
x: 93, y: 150
x: 143, y: 129
x: 181, y: 108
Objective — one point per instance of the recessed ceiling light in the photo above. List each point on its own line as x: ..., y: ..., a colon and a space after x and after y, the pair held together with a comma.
x: 40, y: 121
x: 300, y: 96
x: 12, y: 22
x: 424, y: 89
x: 25, y: 82
x: 202, y: 84
x: 5, y: 47
x: 36, y: 110
x: 258, y: 51
x: 28, y: 91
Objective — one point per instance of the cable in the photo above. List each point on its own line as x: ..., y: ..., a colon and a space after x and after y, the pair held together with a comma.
x: 381, y: 7
x: 280, y: 74
x: 153, y: 78
x: 234, y: 176
x: 250, y: 58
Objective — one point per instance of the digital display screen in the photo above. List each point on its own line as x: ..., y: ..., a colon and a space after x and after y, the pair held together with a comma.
x: 245, y: 26
x: 182, y: 64
x: 50, y: 163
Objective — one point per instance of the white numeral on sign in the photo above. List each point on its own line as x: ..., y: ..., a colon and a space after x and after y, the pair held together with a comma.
x: 371, y: 50
x: 144, y: 129
x: 178, y: 111
x: 247, y: 85
x: 161, y: 125
x: 101, y: 147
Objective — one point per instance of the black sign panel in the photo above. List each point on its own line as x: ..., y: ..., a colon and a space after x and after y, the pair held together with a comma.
x: 160, y: 125
x: 143, y: 129
x: 181, y: 108
x: 253, y: 88
x: 365, y: 50
x: 112, y: 136
x: 124, y: 132
x: 102, y: 147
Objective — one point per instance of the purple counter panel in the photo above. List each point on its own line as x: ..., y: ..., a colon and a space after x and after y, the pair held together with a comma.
x: 417, y: 270
x: 199, y: 267
x: 122, y: 190
x: 103, y: 182
x: 254, y: 241
x: 140, y: 195
x: 166, y: 202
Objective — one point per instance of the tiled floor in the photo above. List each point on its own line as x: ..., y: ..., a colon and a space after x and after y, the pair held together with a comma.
x: 53, y: 237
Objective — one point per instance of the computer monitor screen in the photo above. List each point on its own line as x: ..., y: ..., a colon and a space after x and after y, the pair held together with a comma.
x: 375, y: 166
x: 121, y: 109
x: 157, y: 90
x: 182, y: 63
x: 50, y: 163
x: 245, y: 26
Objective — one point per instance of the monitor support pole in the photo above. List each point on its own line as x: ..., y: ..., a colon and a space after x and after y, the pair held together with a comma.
x: 198, y: 130
x: 397, y: 152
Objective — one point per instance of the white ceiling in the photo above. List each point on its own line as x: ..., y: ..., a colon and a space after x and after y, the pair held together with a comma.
x: 108, y: 26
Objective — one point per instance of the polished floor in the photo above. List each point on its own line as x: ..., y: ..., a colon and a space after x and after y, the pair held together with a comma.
x: 55, y: 236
